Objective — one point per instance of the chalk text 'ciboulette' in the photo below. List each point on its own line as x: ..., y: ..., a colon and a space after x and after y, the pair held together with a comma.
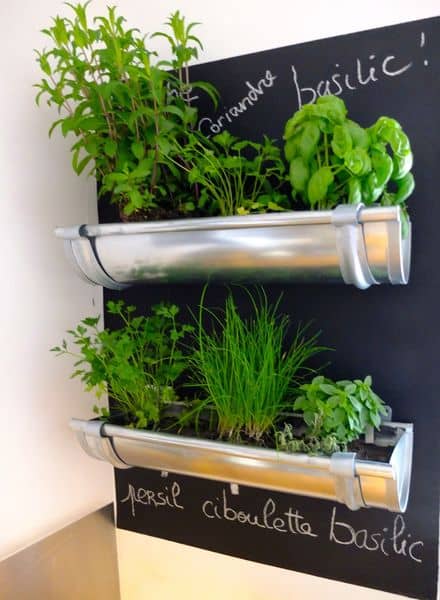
x: 393, y: 540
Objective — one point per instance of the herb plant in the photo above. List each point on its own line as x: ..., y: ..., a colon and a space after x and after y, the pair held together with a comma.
x: 243, y: 369
x: 335, y: 413
x: 232, y: 176
x: 123, y: 105
x: 334, y: 160
x: 287, y: 441
x: 138, y: 364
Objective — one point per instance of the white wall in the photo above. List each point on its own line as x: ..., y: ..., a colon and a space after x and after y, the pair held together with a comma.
x: 46, y: 480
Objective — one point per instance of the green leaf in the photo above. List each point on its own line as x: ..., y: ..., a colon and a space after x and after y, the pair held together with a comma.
x: 358, y: 134
x: 143, y: 169
x: 331, y: 107
x: 291, y: 148
x: 110, y: 147
x: 224, y: 139
x: 371, y: 190
x: 402, y: 165
x: 91, y: 321
x: 299, y: 174
x: 318, y: 185
x: 309, y: 141
x: 339, y: 416
x: 164, y: 145
x: 209, y: 89
x: 405, y: 188
x: 91, y: 123
x: 349, y: 387
x: 328, y: 389
x: 383, y: 167
x: 341, y: 143
x: 358, y: 161
x: 356, y: 403
x: 138, y: 149
x: 375, y: 420
x: 137, y: 200
x: 300, y: 403
x: 354, y: 190
x: 82, y: 164
x: 294, y: 124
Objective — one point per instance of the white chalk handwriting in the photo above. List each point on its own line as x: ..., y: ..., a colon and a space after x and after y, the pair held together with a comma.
x: 165, y: 497
x: 254, y: 93
x: 394, y: 540
x: 269, y: 517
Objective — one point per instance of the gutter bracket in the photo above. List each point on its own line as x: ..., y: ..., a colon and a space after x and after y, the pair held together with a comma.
x: 81, y: 253
x: 93, y: 441
x: 347, y: 483
x: 350, y: 245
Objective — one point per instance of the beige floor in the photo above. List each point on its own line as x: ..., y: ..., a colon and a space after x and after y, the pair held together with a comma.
x: 161, y: 570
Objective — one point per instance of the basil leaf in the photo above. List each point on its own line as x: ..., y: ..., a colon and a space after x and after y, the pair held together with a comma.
x: 405, y: 188
x: 299, y: 174
x: 402, y: 165
x: 309, y: 140
x: 291, y: 148
x: 358, y: 134
x: 341, y: 142
x: 372, y: 190
x: 357, y: 161
x: 383, y: 167
x: 354, y: 191
x: 331, y: 107
x: 319, y: 183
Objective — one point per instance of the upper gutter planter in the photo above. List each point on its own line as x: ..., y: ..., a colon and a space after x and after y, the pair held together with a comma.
x: 351, y: 244
x: 341, y: 477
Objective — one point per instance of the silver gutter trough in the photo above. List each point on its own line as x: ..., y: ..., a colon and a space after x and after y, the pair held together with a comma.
x: 341, y: 477
x: 350, y: 244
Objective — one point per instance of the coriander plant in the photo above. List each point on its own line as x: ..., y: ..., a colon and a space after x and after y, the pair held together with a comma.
x: 124, y: 107
x: 243, y: 368
x: 334, y: 160
x: 335, y: 413
x: 137, y: 364
x: 232, y: 176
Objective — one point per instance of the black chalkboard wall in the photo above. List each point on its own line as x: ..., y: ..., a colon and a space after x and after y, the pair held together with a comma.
x: 390, y: 332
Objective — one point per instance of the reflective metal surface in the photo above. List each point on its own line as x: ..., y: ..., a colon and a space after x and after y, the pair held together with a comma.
x: 341, y: 477
x: 351, y: 244
x: 78, y: 562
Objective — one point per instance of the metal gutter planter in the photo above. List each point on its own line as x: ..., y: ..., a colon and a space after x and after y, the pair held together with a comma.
x: 341, y: 477
x: 351, y: 244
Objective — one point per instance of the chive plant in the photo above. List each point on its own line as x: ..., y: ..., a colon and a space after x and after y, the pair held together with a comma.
x: 243, y: 369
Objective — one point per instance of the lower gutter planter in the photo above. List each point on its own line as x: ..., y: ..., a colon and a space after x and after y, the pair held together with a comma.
x: 340, y: 477
x: 351, y: 244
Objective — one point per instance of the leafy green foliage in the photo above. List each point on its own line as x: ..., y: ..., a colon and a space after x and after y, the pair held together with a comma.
x: 123, y: 108
x: 341, y: 409
x: 334, y: 160
x: 287, y: 441
x: 242, y: 368
x: 137, y: 364
x: 232, y: 176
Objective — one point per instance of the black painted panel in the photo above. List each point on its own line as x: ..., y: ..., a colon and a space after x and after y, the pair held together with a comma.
x: 389, y: 332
